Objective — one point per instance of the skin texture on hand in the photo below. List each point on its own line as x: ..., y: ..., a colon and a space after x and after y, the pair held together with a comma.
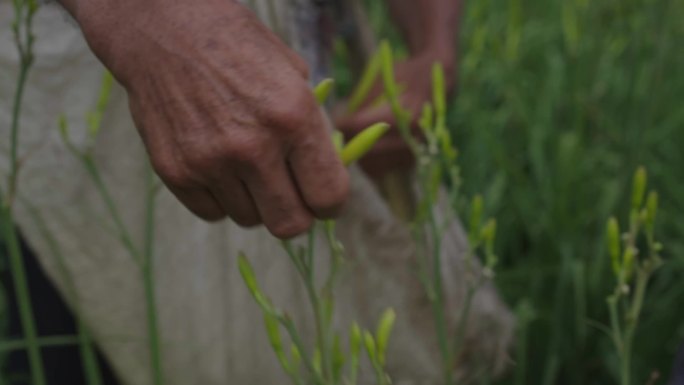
x: 224, y: 109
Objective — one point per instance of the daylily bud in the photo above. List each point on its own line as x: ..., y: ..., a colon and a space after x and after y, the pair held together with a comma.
x: 371, y: 347
x: 476, y: 208
x: 383, y: 333
x: 613, y: 242
x: 363, y: 142
x: 628, y: 262
x: 639, y: 188
x: 439, y: 93
x: 338, y: 140
x: 273, y: 332
x: 323, y: 89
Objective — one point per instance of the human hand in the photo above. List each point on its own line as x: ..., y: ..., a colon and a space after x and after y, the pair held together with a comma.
x: 224, y: 109
x: 414, y: 77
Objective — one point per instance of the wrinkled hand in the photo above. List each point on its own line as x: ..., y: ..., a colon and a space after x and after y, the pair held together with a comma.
x: 225, y: 111
x: 414, y: 77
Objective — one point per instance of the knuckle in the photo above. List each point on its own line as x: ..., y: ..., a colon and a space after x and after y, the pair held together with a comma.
x: 294, y: 112
x: 243, y: 152
x: 172, y: 173
x: 202, y: 157
x: 292, y: 227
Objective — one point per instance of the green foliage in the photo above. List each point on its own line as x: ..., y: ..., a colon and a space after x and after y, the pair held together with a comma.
x: 633, y: 272
x: 550, y: 132
x: 558, y: 103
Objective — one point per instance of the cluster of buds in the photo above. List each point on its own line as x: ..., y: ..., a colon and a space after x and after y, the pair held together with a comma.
x: 625, y: 256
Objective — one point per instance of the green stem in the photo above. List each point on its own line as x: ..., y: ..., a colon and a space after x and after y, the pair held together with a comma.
x: 42, y: 342
x: 631, y: 324
x: 297, y: 341
x: 145, y: 261
x: 463, y: 319
x: 14, y: 140
x: 438, y: 304
x: 21, y: 288
x: 152, y: 325
x: 89, y: 361
x: 615, y: 322
x: 148, y: 277
x: 306, y: 272
x: 111, y: 207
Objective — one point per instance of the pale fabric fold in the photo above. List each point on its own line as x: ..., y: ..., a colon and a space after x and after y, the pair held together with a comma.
x: 211, y: 330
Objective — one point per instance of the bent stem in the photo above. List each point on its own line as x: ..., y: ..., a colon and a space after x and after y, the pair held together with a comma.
x: 23, y: 36
x: 21, y: 288
x: 144, y: 260
x: 91, y: 367
x: 144, y: 257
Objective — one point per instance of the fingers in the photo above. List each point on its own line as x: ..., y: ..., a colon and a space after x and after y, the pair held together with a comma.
x: 236, y: 201
x: 322, y: 180
x: 278, y: 202
x: 200, y: 201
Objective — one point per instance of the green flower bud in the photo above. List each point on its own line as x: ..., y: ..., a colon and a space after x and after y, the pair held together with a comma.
x: 628, y: 262
x: 94, y: 118
x: 338, y: 140
x: 355, y: 338
x: 476, y: 208
x: 363, y: 142
x: 248, y: 276
x: 639, y: 188
x: 371, y: 348
x: 613, y: 242
x: 426, y: 121
x: 296, y: 357
x: 323, y: 89
x: 273, y: 332
x: 489, y: 232
x: 365, y: 84
x: 383, y: 333
x: 439, y: 93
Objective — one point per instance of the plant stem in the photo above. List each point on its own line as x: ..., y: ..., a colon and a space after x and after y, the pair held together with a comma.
x: 632, y: 322
x: 306, y: 271
x: 42, y: 342
x: 615, y: 322
x: 111, y: 207
x: 297, y: 341
x: 438, y: 303
x: 152, y: 325
x: 144, y: 261
x: 14, y: 140
x: 148, y: 277
x: 23, y: 296
x: 17, y: 267
x: 91, y: 367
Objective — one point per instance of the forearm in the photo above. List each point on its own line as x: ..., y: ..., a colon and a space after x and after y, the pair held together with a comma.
x: 427, y: 25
